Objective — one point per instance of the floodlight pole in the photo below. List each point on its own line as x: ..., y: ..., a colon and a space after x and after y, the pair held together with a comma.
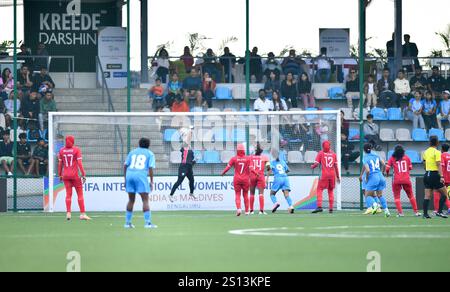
x: 362, y: 54
x: 128, y: 76
x: 247, y: 67
x: 15, y: 109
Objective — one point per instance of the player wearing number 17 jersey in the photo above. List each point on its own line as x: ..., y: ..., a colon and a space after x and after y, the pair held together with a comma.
x: 69, y: 162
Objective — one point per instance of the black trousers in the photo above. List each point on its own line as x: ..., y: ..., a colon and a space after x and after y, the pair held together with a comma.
x: 184, y: 171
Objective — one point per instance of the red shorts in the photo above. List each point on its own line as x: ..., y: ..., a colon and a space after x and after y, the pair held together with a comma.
x: 327, y: 184
x: 397, y: 188
x: 241, y: 185
x: 73, y: 182
x: 258, y: 182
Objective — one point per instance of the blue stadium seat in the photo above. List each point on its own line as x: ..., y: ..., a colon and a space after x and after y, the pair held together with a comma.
x: 329, y: 117
x: 419, y: 135
x: 353, y: 135
x: 197, y: 109
x: 414, y: 156
x: 171, y: 135
x: 390, y: 153
x: 395, y: 114
x: 198, y: 156
x: 378, y: 114
x: 238, y: 135
x: 211, y: 157
x: 223, y: 93
x: 437, y: 132
x: 220, y: 135
x: 311, y: 117
x: 31, y: 137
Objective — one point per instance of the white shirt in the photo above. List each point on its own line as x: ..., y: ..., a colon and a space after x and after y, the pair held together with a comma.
x: 263, y: 106
x: 371, y: 88
x: 323, y: 63
x: 402, y: 86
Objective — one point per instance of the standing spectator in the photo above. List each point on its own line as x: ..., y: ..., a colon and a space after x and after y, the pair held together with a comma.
x: 42, y: 80
x: 40, y: 157
x: 436, y: 83
x: 324, y: 64
x: 402, y: 88
x: 272, y: 84
x: 187, y: 59
x: 24, y: 80
x: 210, y: 65
x: 24, y: 154
x: 291, y: 64
x: 386, y: 90
x: 6, y: 153
x: 262, y: 104
x: 272, y: 66
x: 174, y: 90
x: 193, y: 82
x: 156, y: 94
x: 410, y: 51
x: 228, y: 61
x: 200, y: 102
x: 180, y: 105
x: 30, y: 108
x: 416, y: 109
x: 352, y: 88
x: 25, y: 56
x: 6, y: 83
x: 370, y: 92
x: 347, y: 152
x: 418, y: 81
x: 278, y: 103
x: 43, y: 59
x: 256, y: 65
x: 47, y: 104
x: 429, y: 111
x: 163, y: 65
x: 444, y: 109
x: 208, y: 88
x: 304, y: 90
x: 372, y: 133
x: 289, y: 90
x: 390, y: 48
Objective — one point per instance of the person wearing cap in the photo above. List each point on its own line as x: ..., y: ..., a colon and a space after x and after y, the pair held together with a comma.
x: 6, y: 153
x: 444, y: 109
x: 436, y: 82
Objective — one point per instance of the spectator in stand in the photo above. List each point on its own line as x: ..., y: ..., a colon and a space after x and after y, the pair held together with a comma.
x: 289, y: 90
x: 25, y: 56
x: 187, y: 59
x: 192, y: 83
x: 352, y: 88
x: 370, y: 92
x: 390, y: 48
x: 40, y: 157
x: 256, y: 65
x: 200, y: 102
x: 42, y: 80
x: 174, y: 90
x: 347, y: 152
x: 163, y: 64
x: 372, y: 133
x: 30, y: 108
x: 410, y: 52
x: 418, y: 81
x: 272, y: 66
x: 208, y: 88
x: 47, y: 104
x: 415, y: 111
x: 24, y: 80
x: 304, y: 90
x: 210, y: 65
x: 181, y: 105
x: 429, y: 111
x: 386, y: 90
x: 324, y: 64
x: 24, y: 154
x: 272, y: 84
x: 444, y: 109
x: 3, y: 124
x: 228, y: 61
x: 345, y: 125
x: 278, y: 103
x: 262, y: 104
x: 292, y: 64
x: 6, y: 83
x: 156, y: 94
x: 6, y: 153
x: 9, y: 108
x: 43, y: 59
x: 402, y: 89
x: 436, y: 83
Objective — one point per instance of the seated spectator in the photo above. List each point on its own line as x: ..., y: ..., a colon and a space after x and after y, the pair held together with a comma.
x: 24, y: 83
x: 200, y: 102
x: 6, y: 83
x: 174, y: 90
x: 323, y: 74
x: 47, y: 104
x: 370, y: 92
x: 292, y: 64
x: 25, y: 56
x: 6, y: 153
x: 278, y: 103
x: 228, y: 62
x: 429, y: 111
x: 42, y: 81
x: 289, y: 90
x: 180, y: 105
x: 386, y: 88
x: 262, y: 104
x: 272, y: 66
x: 40, y: 157
x: 352, y: 88
x: 436, y: 83
x: 162, y: 65
x: 208, y: 88
x: 418, y: 81
x: 415, y: 111
x: 304, y: 91
x: 256, y: 65
x: 30, y: 108
x: 347, y: 152
x: 193, y: 82
x: 444, y: 109
x: 211, y: 66
x: 156, y: 94
x: 402, y: 88
x: 24, y: 154
x: 372, y: 133
x: 9, y: 109
x: 272, y: 84
x: 187, y: 59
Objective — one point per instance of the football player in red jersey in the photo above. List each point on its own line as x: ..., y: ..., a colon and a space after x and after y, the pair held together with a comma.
x: 259, y: 163
x: 402, y: 166
x: 445, y: 163
x: 327, y: 159
x: 241, y: 164
x: 69, y: 162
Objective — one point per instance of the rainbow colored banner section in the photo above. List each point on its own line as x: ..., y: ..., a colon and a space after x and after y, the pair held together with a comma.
x: 310, y: 201
x: 58, y: 187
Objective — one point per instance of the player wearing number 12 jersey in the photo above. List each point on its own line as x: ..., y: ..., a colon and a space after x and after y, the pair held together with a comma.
x: 69, y: 162
x: 259, y: 163
x: 402, y: 166
x: 241, y: 164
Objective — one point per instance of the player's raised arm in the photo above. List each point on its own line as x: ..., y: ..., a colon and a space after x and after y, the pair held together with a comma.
x: 229, y: 166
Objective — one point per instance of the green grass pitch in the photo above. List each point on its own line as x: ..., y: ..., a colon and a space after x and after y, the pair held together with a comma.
x: 202, y: 241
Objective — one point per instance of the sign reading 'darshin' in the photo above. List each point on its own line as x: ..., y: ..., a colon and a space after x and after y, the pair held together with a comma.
x: 68, y: 28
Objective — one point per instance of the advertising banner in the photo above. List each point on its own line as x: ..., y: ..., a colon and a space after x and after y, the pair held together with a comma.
x: 337, y: 41
x: 112, y: 52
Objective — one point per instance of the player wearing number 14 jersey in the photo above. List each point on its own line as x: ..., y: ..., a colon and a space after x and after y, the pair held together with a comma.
x: 69, y: 162
x: 259, y: 163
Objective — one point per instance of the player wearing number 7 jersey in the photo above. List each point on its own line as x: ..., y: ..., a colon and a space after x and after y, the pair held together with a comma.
x: 402, y: 166
x: 69, y: 162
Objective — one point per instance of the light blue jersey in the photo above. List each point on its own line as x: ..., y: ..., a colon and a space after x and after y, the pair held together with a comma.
x: 138, y: 163
x: 280, y: 172
x: 376, y: 180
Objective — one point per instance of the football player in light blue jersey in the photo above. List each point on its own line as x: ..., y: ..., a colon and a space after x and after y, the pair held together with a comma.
x: 280, y: 171
x: 138, y: 166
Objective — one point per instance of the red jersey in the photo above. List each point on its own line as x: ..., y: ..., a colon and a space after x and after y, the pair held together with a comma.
x: 258, y: 164
x: 241, y: 166
x: 70, y: 158
x: 402, y: 169
x: 445, y: 163
x: 328, y: 162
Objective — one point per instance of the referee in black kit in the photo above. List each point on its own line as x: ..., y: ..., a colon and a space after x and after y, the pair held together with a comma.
x: 433, y: 179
